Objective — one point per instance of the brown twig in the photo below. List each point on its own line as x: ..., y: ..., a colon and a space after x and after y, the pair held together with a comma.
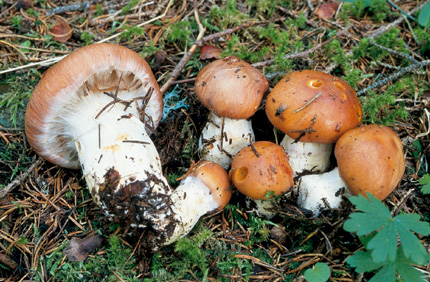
x: 308, y: 103
x: 177, y: 70
x: 18, y: 180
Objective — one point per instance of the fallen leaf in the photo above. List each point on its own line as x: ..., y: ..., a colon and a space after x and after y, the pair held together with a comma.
x: 61, y: 31
x: 209, y: 52
x: 78, y: 249
x: 160, y: 57
x: 327, y: 10
x: 24, y: 4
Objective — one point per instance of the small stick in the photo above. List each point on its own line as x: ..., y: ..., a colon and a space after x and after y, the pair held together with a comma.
x: 395, y: 75
x: 136, y: 141
x: 254, y: 150
x: 70, y: 8
x: 185, y: 59
x: 17, y: 181
x: 308, y: 103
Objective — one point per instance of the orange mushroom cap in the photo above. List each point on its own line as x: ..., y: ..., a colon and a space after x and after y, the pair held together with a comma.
x: 315, y: 106
x: 216, y: 179
x: 231, y: 88
x: 370, y: 159
x: 255, y: 173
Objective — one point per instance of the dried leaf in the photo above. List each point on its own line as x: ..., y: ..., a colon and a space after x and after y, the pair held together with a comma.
x: 160, y: 57
x: 209, y: 52
x: 24, y: 4
x: 61, y: 31
x: 78, y: 249
x: 327, y: 10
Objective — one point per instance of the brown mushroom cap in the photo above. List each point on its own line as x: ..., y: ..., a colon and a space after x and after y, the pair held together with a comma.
x: 255, y: 175
x: 90, y: 70
x: 370, y: 159
x: 216, y: 179
x: 314, y: 105
x: 231, y: 88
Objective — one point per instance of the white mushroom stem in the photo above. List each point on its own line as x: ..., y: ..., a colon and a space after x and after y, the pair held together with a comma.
x: 265, y: 208
x: 123, y: 172
x: 322, y: 191
x: 222, y: 138
x: 118, y: 158
x: 307, y: 155
x: 191, y: 200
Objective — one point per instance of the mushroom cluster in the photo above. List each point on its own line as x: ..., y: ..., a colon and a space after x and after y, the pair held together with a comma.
x: 95, y: 110
x: 316, y: 110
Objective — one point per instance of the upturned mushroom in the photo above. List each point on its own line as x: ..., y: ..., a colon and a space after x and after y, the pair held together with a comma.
x: 261, y: 171
x: 94, y: 110
x: 313, y: 109
x: 370, y: 159
x: 232, y: 90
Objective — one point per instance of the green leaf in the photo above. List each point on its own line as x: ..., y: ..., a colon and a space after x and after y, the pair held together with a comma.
x: 386, y: 274
x: 425, y: 183
x: 363, y: 262
x: 424, y: 16
x: 374, y: 216
x: 319, y: 273
x: 404, y: 268
x: 384, y: 244
x: 417, y: 149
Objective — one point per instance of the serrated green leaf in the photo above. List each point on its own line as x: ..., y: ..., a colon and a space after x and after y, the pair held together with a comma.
x: 363, y: 262
x: 373, y: 217
x: 386, y: 274
x: 424, y: 16
x: 319, y: 273
x: 363, y: 223
x: 384, y: 244
x: 413, y: 223
x: 412, y: 247
x: 425, y: 183
x: 404, y: 268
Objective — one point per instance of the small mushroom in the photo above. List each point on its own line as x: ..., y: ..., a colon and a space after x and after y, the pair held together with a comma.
x: 94, y: 110
x: 313, y: 109
x: 232, y: 90
x: 370, y: 159
x: 261, y: 169
x: 205, y: 190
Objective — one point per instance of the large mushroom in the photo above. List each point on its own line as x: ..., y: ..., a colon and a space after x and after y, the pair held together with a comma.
x: 94, y: 110
x: 313, y: 109
x: 232, y: 90
x: 370, y: 159
x: 261, y: 171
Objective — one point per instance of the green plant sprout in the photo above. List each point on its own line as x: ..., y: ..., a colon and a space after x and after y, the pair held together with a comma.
x: 319, y: 273
x: 382, y: 232
x: 425, y: 183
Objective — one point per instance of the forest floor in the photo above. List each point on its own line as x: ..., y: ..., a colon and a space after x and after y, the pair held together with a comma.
x: 381, y: 48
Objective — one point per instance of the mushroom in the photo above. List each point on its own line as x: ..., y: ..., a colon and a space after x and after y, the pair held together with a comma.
x: 313, y: 109
x: 206, y: 189
x: 232, y: 90
x: 261, y: 171
x: 370, y: 159
x: 94, y: 109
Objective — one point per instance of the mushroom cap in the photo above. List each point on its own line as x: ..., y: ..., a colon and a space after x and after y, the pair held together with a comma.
x: 231, y: 88
x: 90, y: 70
x: 315, y: 106
x: 216, y: 179
x: 255, y: 175
x: 370, y: 159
